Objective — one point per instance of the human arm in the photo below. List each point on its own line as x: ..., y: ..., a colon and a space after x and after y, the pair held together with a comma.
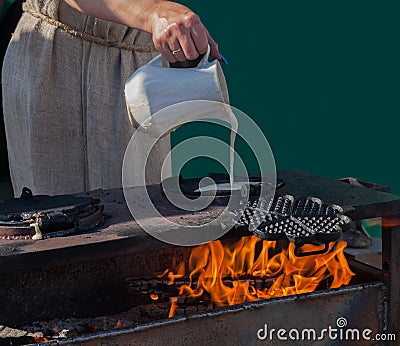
x: 175, y: 28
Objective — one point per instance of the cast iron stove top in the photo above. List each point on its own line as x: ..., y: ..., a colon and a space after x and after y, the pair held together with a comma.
x: 43, y: 216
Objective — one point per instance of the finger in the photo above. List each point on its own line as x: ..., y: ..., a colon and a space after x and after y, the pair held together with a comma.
x: 176, y: 50
x: 165, y: 51
x: 168, y: 55
x: 187, y: 44
x: 214, y: 52
x: 200, y: 39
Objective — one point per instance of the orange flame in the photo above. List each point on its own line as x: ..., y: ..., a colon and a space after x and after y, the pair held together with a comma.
x: 40, y: 339
x: 173, y: 306
x: 210, y: 264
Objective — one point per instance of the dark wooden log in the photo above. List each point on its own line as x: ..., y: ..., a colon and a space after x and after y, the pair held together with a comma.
x: 162, y: 291
x: 158, y: 286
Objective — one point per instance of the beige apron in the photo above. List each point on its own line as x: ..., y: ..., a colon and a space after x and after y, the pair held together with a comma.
x: 66, y: 121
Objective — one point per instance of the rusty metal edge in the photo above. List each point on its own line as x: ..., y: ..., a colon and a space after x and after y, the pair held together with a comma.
x: 221, y: 311
x: 391, y: 268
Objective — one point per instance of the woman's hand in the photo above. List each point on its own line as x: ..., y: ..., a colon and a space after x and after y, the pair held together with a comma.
x: 179, y: 34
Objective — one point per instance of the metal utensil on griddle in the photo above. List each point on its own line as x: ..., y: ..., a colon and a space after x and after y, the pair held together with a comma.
x: 42, y: 216
x: 305, y: 220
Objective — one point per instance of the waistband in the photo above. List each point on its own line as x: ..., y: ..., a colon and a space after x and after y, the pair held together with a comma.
x: 62, y: 16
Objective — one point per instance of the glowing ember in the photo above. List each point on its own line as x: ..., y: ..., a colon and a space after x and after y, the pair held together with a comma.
x: 154, y: 296
x: 38, y: 339
x: 390, y: 222
x: 210, y: 264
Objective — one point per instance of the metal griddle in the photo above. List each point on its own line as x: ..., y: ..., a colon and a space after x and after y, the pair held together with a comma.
x: 46, y: 216
x: 304, y: 220
x: 300, y: 220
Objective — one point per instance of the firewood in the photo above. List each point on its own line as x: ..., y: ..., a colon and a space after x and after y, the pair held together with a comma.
x: 164, y: 286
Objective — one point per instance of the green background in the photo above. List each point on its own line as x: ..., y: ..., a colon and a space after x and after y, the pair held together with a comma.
x: 321, y: 78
